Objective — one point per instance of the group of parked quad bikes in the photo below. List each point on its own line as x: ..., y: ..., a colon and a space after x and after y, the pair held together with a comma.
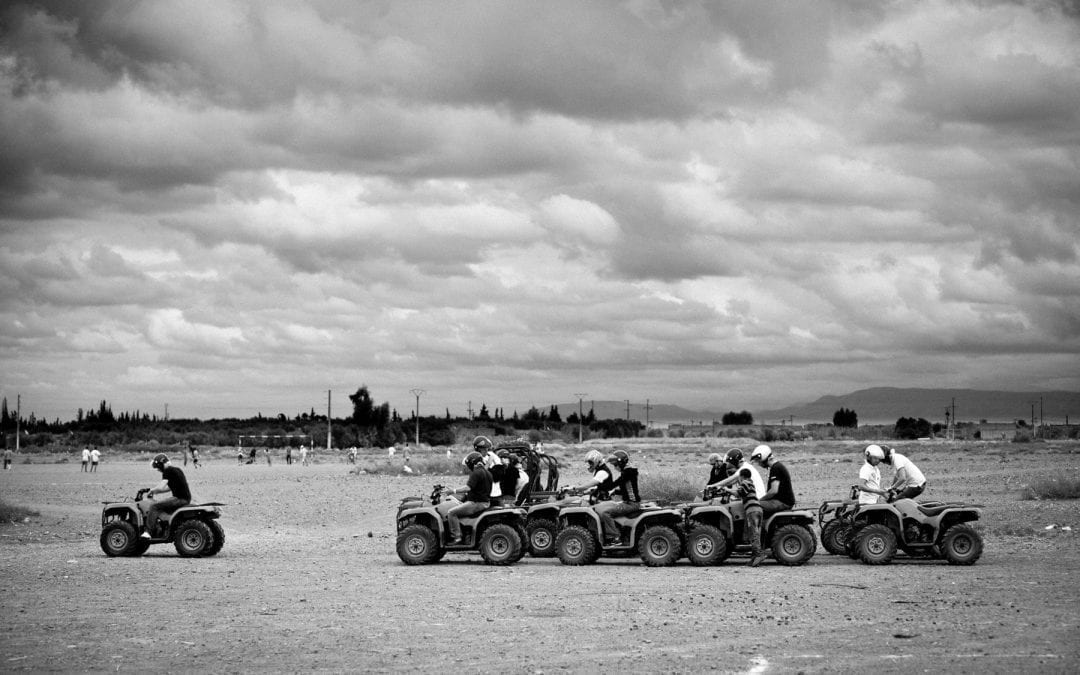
x: 550, y: 522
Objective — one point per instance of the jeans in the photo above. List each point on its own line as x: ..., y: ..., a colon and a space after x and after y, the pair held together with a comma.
x: 159, y: 507
x: 909, y: 492
x: 771, y: 506
x: 463, y: 510
x: 607, y: 512
x: 753, y: 528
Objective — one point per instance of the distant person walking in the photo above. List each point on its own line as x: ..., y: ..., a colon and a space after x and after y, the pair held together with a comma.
x: 303, y: 455
x: 288, y: 454
x: 86, y: 459
x: 266, y: 451
x: 7, y: 458
x: 95, y: 456
x: 195, y: 456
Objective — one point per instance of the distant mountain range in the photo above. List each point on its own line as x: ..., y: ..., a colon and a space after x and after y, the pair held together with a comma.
x: 879, y: 405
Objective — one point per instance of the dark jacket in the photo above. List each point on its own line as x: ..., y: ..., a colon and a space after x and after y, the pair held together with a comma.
x: 626, y: 485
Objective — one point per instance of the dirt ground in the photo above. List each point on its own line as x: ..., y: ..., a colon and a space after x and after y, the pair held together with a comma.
x: 309, y: 580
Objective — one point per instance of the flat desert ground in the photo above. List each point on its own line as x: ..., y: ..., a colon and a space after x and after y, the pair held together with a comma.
x: 309, y: 580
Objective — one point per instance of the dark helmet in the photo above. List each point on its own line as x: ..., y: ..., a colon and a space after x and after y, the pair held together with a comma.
x: 619, y: 458
x: 159, y: 461
x: 481, y: 444
x: 734, y: 457
x: 472, y: 459
x: 503, y: 454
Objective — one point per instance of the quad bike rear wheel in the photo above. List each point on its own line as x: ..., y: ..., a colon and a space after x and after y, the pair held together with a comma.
x: 660, y: 546
x: 706, y: 545
x: 500, y: 544
x: 876, y: 544
x: 118, y: 538
x: 417, y: 545
x: 834, y: 535
x: 576, y: 546
x: 541, y: 537
x: 793, y: 544
x: 961, y: 545
x: 193, y: 538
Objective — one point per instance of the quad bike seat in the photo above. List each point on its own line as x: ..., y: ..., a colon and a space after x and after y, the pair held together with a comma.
x: 933, y: 509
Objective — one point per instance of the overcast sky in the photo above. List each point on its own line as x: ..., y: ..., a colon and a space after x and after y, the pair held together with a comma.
x: 230, y: 208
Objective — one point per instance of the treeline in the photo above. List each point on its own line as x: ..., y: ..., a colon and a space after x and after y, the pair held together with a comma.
x: 371, y: 424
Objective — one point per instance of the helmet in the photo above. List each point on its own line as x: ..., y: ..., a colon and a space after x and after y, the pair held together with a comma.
x: 594, y: 459
x: 159, y: 461
x: 874, y: 451
x: 734, y: 457
x: 503, y: 454
x: 481, y: 444
x: 472, y: 459
x: 619, y: 458
x: 716, y: 458
x: 761, y: 453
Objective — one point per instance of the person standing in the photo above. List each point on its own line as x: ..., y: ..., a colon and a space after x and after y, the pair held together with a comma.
x: 7, y: 458
x: 288, y: 454
x: 86, y: 459
x: 303, y: 455
x: 266, y: 450
x: 870, y: 475
x: 195, y: 456
x: 95, y: 456
x: 174, y: 482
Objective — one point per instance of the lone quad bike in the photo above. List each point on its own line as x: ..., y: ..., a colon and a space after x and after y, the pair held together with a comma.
x: 922, y: 530
x: 834, y: 519
x: 653, y: 533
x: 498, y: 532
x: 193, y: 529
x: 716, y: 527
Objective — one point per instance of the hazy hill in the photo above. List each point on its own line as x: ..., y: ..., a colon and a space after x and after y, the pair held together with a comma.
x: 879, y: 405
x: 887, y: 404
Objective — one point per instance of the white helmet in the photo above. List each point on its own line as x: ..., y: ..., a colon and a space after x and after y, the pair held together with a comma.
x: 594, y: 459
x: 874, y: 451
x: 761, y: 454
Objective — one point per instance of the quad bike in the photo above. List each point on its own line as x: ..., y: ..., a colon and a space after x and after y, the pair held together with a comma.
x: 834, y: 519
x: 653, y: 533
x: 542, y: 487
x: 716, y: 527
x: 498, y: 533
x: 923, y: 530
x: 542, y: 521
x: 193, y: 529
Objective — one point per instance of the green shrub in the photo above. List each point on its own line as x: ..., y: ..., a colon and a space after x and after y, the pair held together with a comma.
x: 1053, y: 488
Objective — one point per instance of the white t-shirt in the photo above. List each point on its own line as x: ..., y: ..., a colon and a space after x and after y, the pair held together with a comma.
x: 872, y: 476
x: 86, y: 454
x: 910, y: 473
x: 95, y: 455
x: 759, y: 484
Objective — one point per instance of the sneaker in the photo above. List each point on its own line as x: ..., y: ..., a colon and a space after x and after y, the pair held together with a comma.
x: 757, y: 560
x: 144, y: 535
x: 456, y: 541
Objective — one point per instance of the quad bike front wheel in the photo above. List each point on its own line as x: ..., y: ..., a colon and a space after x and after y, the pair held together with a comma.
x: 219, y: 537
x: 576, y: 546
x: 793, y: 544
x: 876, y: 544
x: 541, y: 537
x: 834, y: 535
x: 660, y: 546
x: 961, y: 545
x: 118, y: 538
x: 417, y: 545
x: 500, y: 544
x: 706, y: 545
x: 193, y: 539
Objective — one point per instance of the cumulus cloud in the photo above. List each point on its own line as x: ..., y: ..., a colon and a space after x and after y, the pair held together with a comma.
x: 717, y: 205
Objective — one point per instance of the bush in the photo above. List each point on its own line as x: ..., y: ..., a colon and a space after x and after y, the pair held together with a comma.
x: 669, y: 487
x: 14, y: 514
x: 1053, y: 488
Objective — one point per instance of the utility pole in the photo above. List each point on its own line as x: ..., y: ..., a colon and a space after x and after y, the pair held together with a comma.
x: 647, y: 409
x: 580, y: 436
x: 470, y: 411
x: 18, y: 419
x: 627, y: 410
x: 417, y: 392
x: 328, y: 418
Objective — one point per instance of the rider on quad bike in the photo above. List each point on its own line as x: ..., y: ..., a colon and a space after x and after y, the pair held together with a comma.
x: 174, y: 482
